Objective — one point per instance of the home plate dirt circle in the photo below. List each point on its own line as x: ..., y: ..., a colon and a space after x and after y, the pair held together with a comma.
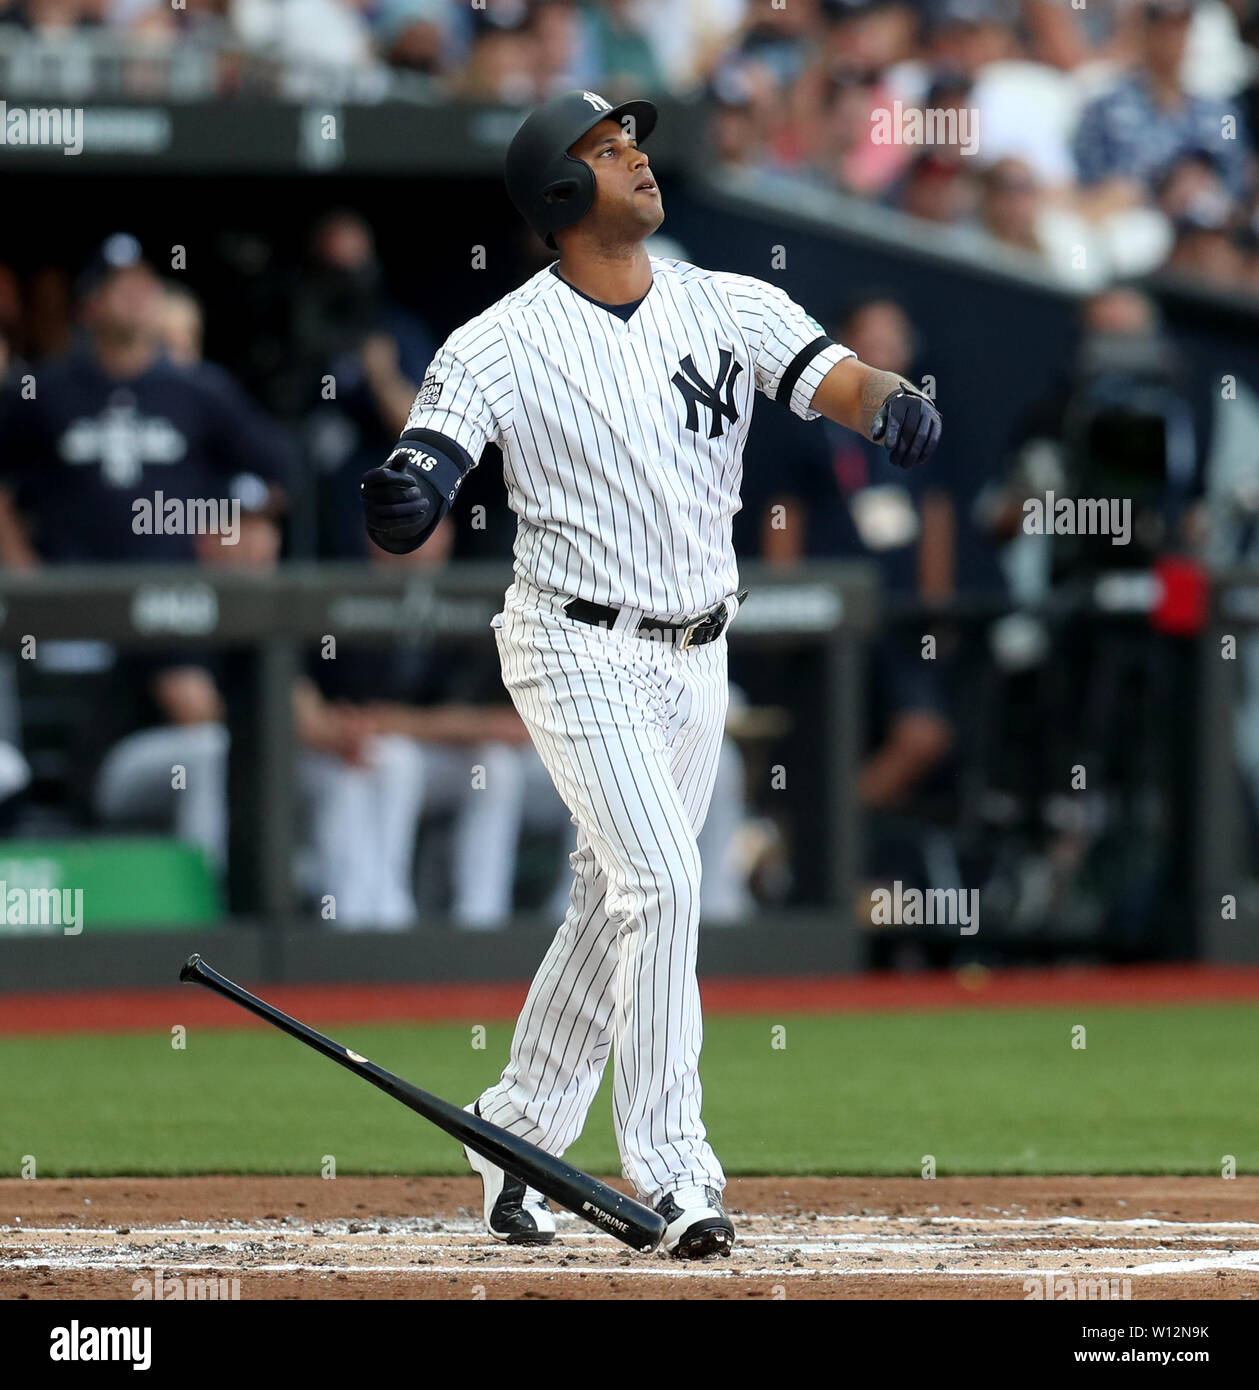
x: 283, y: 1238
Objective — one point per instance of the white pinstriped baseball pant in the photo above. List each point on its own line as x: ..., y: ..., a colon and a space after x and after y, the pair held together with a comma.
x: 630, y: 730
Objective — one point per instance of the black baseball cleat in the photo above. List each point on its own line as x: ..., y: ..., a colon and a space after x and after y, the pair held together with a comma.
x: 508, y: 1215
x: 697, y: 1224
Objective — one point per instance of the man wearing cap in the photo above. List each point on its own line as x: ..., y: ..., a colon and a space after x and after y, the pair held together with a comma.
x: 1129, y: 137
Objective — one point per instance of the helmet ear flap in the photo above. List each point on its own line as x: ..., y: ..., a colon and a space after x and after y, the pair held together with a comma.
x: 567, y: 196
x: 561, y: 191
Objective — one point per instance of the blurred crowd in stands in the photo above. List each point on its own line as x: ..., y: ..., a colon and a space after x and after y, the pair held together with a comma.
x: 414, y: 748
x: 1099, y: 140
x: 1095, y: 144
x: 1096, y: 139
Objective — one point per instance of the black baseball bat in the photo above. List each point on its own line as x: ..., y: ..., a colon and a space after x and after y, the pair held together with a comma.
x: 594, y: 1201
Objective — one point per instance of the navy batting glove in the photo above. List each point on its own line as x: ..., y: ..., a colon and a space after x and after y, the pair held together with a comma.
x: 908, y: 426
x: 400, y: 505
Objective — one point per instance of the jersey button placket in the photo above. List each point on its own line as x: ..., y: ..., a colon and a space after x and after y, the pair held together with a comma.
x: 633, y: 380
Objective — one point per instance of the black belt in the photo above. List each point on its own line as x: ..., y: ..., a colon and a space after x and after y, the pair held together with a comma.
x: 694, y: 633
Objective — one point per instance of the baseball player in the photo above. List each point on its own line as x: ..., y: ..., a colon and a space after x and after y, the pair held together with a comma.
x: 618, y: 386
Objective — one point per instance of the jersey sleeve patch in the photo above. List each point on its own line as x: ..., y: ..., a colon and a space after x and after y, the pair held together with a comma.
x: 451, y: 400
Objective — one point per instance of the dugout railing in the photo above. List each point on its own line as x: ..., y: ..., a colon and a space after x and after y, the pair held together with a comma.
x: 259, y: 627
x: 1161, y: 724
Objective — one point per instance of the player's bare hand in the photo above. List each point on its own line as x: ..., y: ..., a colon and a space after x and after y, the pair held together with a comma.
x: 908, y: 426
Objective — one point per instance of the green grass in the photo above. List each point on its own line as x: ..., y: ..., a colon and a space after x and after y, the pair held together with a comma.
x: 1167, y: 1090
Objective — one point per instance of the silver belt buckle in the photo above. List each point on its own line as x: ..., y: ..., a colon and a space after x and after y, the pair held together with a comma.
x: 717, y: 615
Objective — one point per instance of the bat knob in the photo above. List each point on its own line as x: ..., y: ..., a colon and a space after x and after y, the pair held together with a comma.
x: 189, y: 971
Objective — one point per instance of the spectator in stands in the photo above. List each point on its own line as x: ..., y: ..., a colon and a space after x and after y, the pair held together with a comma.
x: 52, y: 18
x: 1016, y: 210
x: 876, y: 35
x: 117, y: 428
x: 1130, y: 136
x: 1205, y: 220
x: 564, y: 54
x: 1209, y: 253
x: 1067, y: 36
x: 419, y: 35
x: 158, y: 19
x: 428, y: 731
x: 966, y: 35
x: 500, y: 68
x: 950, y: 99
x: 741, y: 102
x: 163, y: 713
x: 362, y: 785
x: 781, y: 39
x: 371, y: 351
x: 49, y: 314
x: 939, y: 186
x: 404, y: 727
x: 363, y: 790
x: 1193, y: 190
x: 812, y: 493
x: 322, y: 36
x: 847, y: 501
x: 119, y: 421
x: 181, y: 324
x: 625, y: 60
x: 1010, y: 205
x: 847, y: 155
x: 689, y: 41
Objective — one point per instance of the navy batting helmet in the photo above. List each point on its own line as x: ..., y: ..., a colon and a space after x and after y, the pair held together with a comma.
x: 550, y: 188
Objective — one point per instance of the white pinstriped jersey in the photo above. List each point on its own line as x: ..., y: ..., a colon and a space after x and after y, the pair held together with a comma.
x: 623, y: 439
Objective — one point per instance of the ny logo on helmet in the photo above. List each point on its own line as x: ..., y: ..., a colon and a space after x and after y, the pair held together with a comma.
x: 597, y: 101
x: 717, y: 396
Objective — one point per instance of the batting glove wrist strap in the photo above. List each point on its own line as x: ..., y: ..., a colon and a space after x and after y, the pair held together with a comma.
x: 405, y: 499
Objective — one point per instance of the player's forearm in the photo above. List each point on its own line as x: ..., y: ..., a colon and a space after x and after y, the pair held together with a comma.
x: 882, y: 407
x: 852, y: 393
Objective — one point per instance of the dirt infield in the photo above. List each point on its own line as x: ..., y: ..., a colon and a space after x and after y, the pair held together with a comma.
x: 285, y: 1238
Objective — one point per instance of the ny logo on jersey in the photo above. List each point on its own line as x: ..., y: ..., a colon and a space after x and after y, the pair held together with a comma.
x: 718, y: 396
